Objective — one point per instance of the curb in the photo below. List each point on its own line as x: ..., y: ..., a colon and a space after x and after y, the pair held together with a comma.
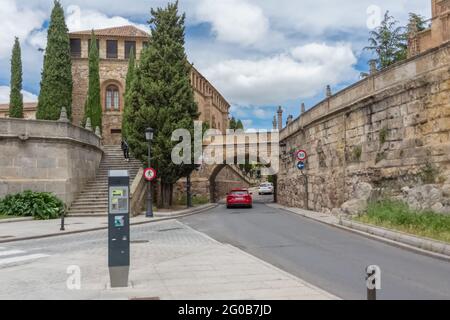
x: 12, y: 220
x: 178, y: 215
x: 396, y: 239
x: 424, y: 244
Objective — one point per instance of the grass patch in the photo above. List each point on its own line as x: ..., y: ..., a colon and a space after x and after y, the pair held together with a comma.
x: 196, y: 200
x: 398, y: 216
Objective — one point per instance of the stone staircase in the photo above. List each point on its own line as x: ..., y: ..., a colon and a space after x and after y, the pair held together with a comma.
x: 93, y: 200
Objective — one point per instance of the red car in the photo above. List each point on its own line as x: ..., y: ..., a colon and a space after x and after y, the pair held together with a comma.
x: 239, y: 198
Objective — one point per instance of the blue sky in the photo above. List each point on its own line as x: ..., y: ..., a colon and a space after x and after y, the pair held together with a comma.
x: 259, y: 54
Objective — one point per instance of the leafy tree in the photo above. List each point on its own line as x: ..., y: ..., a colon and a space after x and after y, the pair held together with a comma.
x: 239, y: 125
x: 56, y: 83
x: 15, y: 96
x: 162, y: 97
x: 130, y: 76
x: 232, y: 124
x: 417, y: 22
x: 388, y: 42
x: 93, y: 107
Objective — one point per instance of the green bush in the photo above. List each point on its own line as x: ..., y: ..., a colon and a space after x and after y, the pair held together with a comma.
x: 39, y: 205
x: 397, y: 215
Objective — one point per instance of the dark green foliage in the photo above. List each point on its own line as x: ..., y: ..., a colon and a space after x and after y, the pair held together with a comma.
x: 130, y: 76
x: 429, y: 173
x: 357, y: 152
x: 15, y: 96
x: 56, y: 82
x: 417, y: 22
x: 162, y: 97
x: 232, y: 124
x: 39, y: 205
x: 383, y: 135
x: 388, y: 42
x: 239, y: 125
x: 397, y: 215
x: 93, y: 107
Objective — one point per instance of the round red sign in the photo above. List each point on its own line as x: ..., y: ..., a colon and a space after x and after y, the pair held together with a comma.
x: 302, y: 155
x: 150, y: 174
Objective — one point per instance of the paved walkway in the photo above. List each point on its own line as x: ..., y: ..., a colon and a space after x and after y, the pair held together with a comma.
x: 169, y: 260
x: 30, y: 229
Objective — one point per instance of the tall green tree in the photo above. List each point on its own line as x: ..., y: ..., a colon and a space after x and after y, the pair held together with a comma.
x: 15, y: 96
x: 232, y: 124
x: 56, y: 82
x: 239, y: 125
x: 93, y: 107
x: 129, y: 79
x: 162, y: 97
x: 388, y: 42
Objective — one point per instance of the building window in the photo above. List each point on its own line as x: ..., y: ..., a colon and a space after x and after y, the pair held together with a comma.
x: 128, y: 46
x: 89, y: 45
x: 75, y: 48
x: 112, y: 98
x: 111, y: 49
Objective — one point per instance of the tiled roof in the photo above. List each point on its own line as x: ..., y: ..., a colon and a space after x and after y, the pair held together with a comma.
x: 27, y: 106
x: 124, y: 31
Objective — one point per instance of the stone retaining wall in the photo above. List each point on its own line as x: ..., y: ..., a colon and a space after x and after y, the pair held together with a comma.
x: 385, y: 130
x: 46, y: 156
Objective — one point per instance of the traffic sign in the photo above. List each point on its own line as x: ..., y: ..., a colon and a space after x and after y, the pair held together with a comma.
x: 150, y: 174
x: 301, y: 165
x: 301, y: 155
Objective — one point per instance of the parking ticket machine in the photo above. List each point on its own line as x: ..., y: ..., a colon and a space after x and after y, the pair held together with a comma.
x: 118, y: 227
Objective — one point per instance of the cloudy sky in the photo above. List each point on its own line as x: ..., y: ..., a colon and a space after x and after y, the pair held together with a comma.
x: 258, y: 53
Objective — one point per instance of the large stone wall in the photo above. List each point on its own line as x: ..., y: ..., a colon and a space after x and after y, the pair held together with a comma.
x: 383, y: 130
x: 46, y: 156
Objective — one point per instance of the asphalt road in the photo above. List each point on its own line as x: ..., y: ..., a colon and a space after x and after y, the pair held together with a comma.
x: 328, y: 257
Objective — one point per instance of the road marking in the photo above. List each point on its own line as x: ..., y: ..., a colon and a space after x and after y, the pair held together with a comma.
x: 22, y: 259
x: 10, y: 252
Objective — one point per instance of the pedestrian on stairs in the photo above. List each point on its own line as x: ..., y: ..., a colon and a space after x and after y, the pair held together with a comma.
x: 126, y: 150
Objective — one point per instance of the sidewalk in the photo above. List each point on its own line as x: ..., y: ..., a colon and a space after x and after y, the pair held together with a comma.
x: 31, y: 229
x: 169, y: 260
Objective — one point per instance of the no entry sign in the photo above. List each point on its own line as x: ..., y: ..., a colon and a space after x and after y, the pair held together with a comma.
x: 301, y: 155
x: 150, y: 174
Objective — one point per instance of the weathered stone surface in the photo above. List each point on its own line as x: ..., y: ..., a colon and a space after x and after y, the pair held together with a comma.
x: 354, y: 206
x: 382, y: 131
x: 363, y: 191
x: 58, y: 158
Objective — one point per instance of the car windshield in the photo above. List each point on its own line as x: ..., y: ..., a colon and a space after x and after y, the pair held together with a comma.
x: 239, y: 193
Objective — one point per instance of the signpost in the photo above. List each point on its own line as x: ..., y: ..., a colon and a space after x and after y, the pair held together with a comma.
x: 302, y: 157
x: 118, y: 227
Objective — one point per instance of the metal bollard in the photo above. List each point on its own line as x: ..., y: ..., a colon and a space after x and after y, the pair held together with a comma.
x: 63, y: 213
x: 373, y: 281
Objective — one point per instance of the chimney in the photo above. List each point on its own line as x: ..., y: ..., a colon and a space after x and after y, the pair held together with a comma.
x: 373, y: 66
x: 303, y: 108
x: 274, y: 122
x: 280, y: 118
x: 329, y: 94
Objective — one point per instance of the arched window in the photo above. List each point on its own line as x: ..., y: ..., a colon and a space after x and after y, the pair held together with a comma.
x: 112, y: 98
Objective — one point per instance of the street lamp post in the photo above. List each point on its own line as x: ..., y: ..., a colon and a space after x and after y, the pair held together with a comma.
x: 149, y: 137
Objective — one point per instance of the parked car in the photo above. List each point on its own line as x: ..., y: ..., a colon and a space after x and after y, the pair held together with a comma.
x: 239, y: 198
x: 265, y: 188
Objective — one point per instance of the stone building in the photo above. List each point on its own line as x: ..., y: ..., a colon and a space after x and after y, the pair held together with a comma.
x: 438, y: 33
x: 29, y: 110
x: 115, y: 45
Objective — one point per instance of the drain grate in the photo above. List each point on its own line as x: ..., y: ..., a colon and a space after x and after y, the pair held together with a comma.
x: 171, y: 229
x: 139, y: 241
x: 146, y: 298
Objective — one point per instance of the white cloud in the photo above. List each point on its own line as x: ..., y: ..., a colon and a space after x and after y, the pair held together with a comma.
x: 234, y: 21
x: 80, y: 20
x: 27, y: 96
x: 16, y: 21
x: 302, y: 72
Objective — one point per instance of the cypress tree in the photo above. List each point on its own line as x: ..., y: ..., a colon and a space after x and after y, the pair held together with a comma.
x: 161, y: 97
x: 93, y: 107
x: 56, y: 82
x: 129, y: 80
x: 15, y: 96
x: 232, y: 124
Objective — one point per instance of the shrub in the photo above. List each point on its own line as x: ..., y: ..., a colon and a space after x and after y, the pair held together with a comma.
x: 39, y: 205
x: 429, y: 173
x: 196, y: 200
